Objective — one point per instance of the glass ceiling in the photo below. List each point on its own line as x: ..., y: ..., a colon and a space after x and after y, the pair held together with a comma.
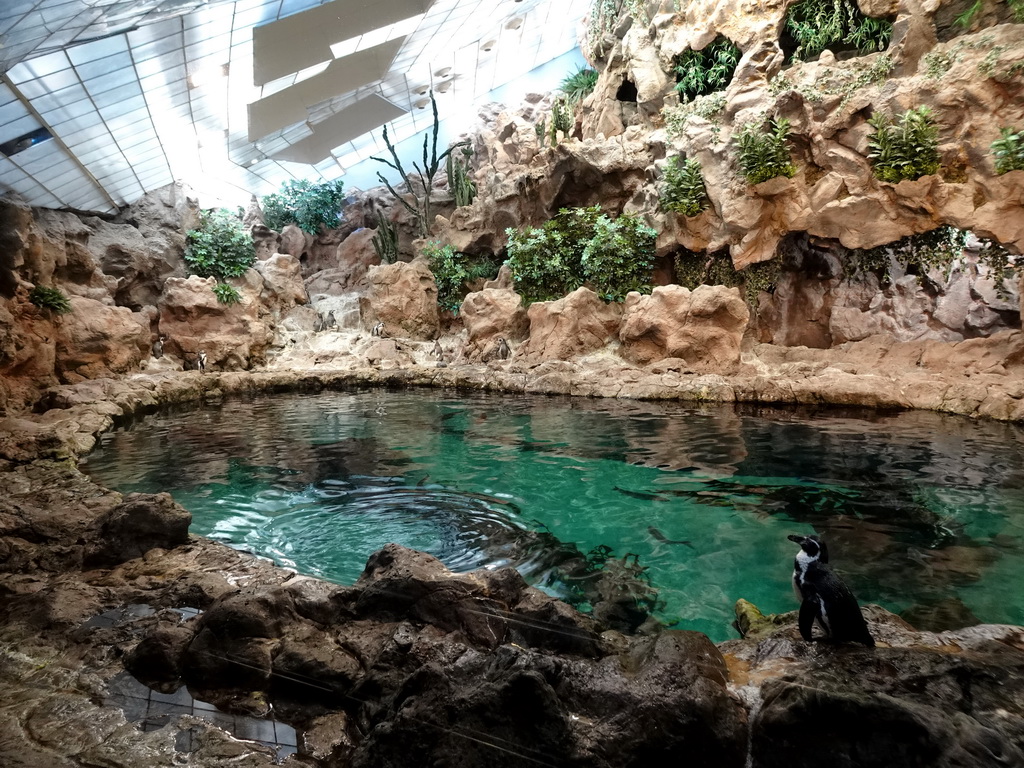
x: 239, y: 96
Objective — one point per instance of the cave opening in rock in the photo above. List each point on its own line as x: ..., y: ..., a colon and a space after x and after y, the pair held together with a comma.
x: 627, y: 91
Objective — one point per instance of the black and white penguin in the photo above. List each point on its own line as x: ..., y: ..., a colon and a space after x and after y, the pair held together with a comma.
x: 201, y: 362
x: 504, y: 351
x: 824, y: 597
x: 158, y: 347
x: 378, y: 330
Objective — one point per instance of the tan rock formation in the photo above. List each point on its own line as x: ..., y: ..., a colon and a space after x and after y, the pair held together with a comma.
x: 282, y: 281
x: 403, y: 297
x: 232, y: 335
x: 575, y: 325
x: 491, y: 314
x: 703, y: 328
x: 95, y: 340
x: 354, y: 257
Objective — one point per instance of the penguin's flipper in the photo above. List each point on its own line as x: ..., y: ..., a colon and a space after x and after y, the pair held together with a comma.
x: 808, y: 613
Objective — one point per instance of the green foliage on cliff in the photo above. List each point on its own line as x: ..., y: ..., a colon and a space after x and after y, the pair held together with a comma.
x: 938, y: 249
x: 1008, y: 150
x: 763, y: 151
x: 710, y: 69
x: 707, y: 107
x: 683, y: 189
x: 307, y: 204
x: 53, y: 299
x: 219, y: 247
x: 577, y: 246
x: 819, y: 24
x: 693, y: 269
x: 449, y: 274
x: 226, y: 294
x: 905, y: 149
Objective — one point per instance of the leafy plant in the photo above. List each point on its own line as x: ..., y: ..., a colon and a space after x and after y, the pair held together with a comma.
x: 578, y: 85
x: 53, y: 299
x: 1008, y: 150
x: 820, y: 24
x: 683, y: 190
x: 431, y: 163
x: 449, y: 274
x: 710, y: 69
x: 385, y: 239
x: 966, y: 19
x: 619, y: 257
x: 227, y: 294
x: 907, y: 149
x: 310, y: 205
x: 219, y: 247
x: 581, y: 245
x: 763, y: 151
x: 693, y: 269
x: 459, y: 183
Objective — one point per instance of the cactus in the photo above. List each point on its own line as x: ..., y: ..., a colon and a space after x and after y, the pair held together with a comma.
x: 385, y: 241
x: 459, y: 183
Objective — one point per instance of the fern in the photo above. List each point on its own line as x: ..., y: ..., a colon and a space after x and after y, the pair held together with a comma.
x: 708, y: 70
x: 683, y: 190
x: 1008, y: 151
x: 818, y: 24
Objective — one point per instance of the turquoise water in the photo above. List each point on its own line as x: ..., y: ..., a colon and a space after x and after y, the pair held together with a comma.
x: 687, y: 508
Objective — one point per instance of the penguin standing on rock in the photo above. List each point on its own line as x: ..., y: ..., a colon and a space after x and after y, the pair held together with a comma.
x: 201, y: 361
x: 824, y: 597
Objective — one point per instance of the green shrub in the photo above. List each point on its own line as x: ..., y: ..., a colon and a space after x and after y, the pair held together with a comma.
x: 53, y: 299
x: 309, y: 205
x: 619, y: 257
x: 449, y: 274
x: 764, y: 154
x: 578, y: 85
x: 220, y: 247
x: 1008, y: 150
x: 819, y: 24
x: 710, y: 69
x: 966, y: 19
x: 578, y: 245
x: 693, y: 269
x: 683, y: 190
x: 227, y: 294
x: 907, y: 149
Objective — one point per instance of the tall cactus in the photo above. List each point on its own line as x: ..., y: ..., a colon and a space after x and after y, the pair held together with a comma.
x: 459, y: 183
x: 431, y: 163
x: 385, y: 241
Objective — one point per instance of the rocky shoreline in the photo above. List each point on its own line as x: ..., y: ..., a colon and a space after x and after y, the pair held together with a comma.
x: 461, y: 669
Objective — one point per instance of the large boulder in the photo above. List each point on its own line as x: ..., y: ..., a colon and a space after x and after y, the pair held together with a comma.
x: 403, y: 296
x: 355, y: 255
x: 491, y: 314
x: 96, y: 340
x: 140, y: 523
x: 574, y: 325
x: 232, y: 335
x: 282, y: 281
x: 703, y: 328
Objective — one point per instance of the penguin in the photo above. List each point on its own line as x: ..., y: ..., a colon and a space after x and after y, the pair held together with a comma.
x: 318, y: 324
x: 824, y: 597
x: 378, y: 330
x: 438, y: 352
x: 201, y: 361
x: 504, y: 351
x: 330, y: 322
x: 158, y: 347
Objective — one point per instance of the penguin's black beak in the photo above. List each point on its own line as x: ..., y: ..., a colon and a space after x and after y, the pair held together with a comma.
x: 796, y: 539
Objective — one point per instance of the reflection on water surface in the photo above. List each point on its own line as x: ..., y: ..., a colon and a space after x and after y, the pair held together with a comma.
x: 923, y: 513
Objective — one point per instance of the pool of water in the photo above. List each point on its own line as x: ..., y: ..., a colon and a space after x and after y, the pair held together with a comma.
x: 923, y: 513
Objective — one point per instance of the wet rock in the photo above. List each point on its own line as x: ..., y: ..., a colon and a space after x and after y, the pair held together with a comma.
x: 141, y: 523
x: 157, y: 658
x: 703, y: 327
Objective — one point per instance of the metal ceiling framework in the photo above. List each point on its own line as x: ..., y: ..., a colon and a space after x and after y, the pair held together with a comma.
x: 239, y: 96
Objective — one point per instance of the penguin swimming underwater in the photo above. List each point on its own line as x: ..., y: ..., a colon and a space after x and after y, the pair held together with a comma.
x: 824, y: 597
